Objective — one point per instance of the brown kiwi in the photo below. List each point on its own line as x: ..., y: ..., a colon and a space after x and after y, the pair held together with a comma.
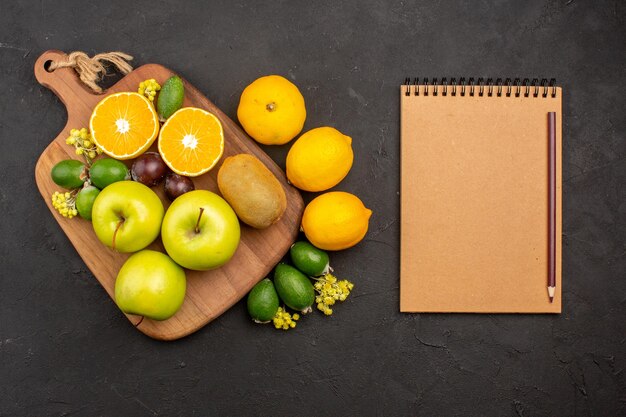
x: 252, y: 190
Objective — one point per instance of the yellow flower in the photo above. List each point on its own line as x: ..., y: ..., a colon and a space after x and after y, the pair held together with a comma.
x: 65, y: 203
x: 149, y: 88
x: 284, y: 320
x: 329, y: 291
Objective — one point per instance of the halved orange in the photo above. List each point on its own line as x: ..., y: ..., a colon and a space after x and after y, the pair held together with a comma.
x: 191, y: 141
x: 124, y: 125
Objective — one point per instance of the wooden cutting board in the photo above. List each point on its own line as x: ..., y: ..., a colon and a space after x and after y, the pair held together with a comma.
x: 209, y: 293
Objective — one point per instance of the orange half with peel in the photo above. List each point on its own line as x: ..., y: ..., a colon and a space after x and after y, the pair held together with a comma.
x: 124, y: 125
x: 191, y: 141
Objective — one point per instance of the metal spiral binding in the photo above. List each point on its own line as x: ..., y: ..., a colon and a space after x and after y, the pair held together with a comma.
x: 480, y: 87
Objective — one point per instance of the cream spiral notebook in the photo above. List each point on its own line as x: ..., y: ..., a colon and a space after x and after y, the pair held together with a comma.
x: 474, y: 196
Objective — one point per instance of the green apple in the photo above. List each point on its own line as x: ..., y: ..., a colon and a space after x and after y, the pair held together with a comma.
x: 126, y: 216
x: 150, y: 284
x: 200, y: 230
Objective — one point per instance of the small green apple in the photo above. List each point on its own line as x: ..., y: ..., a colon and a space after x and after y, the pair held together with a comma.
x: 150, y: 284
x: 126, y: 216
x: 200, y: 230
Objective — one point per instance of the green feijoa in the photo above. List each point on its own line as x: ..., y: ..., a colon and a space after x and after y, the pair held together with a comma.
x: 309, y: 259
x: 263, y: 301
x: 106, y: 171
x: 294, y: 288
x: 84, y: 201
x: 170, y: 97
x: 69, y: 173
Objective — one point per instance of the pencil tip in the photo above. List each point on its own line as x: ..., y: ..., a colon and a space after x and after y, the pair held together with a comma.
x: 551, y: 299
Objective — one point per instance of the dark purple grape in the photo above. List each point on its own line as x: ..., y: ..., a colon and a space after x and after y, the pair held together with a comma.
x: 149, y: 169
x: 177, y: 185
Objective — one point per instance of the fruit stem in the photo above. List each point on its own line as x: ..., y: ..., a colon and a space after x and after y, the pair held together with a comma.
x: 197, y: 229
x: 117, y: 228
x: 271, y: 106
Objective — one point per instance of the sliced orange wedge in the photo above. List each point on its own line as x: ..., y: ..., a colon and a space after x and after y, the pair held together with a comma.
x: 124, y: 125
x: 191, y: 141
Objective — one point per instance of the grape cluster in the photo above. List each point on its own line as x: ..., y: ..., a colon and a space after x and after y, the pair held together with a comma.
x: 81, y: 140
x: 285, y: 321
x: 65, y: 203
x: 149, y: 88
x: 330, y: 290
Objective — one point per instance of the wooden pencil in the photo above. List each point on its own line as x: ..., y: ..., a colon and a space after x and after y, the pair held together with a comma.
x: 552, y: 205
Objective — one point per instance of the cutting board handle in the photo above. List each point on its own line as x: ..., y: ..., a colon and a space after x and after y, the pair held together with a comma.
x: 64, y: 82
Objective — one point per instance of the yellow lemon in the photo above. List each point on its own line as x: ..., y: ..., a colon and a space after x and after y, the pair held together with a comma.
x: 335, y: 220
x: 319, y: 159
x: 271, y: 110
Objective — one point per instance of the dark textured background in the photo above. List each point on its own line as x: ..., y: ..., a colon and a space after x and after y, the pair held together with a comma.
x: 65, y: 349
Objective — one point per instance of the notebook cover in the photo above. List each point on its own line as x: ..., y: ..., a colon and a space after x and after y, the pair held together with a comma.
x: 474, y: 203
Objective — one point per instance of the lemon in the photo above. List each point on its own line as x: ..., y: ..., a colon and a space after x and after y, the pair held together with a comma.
x: 335, y: 220
x: 272, y: 110
x: 319, y: 159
